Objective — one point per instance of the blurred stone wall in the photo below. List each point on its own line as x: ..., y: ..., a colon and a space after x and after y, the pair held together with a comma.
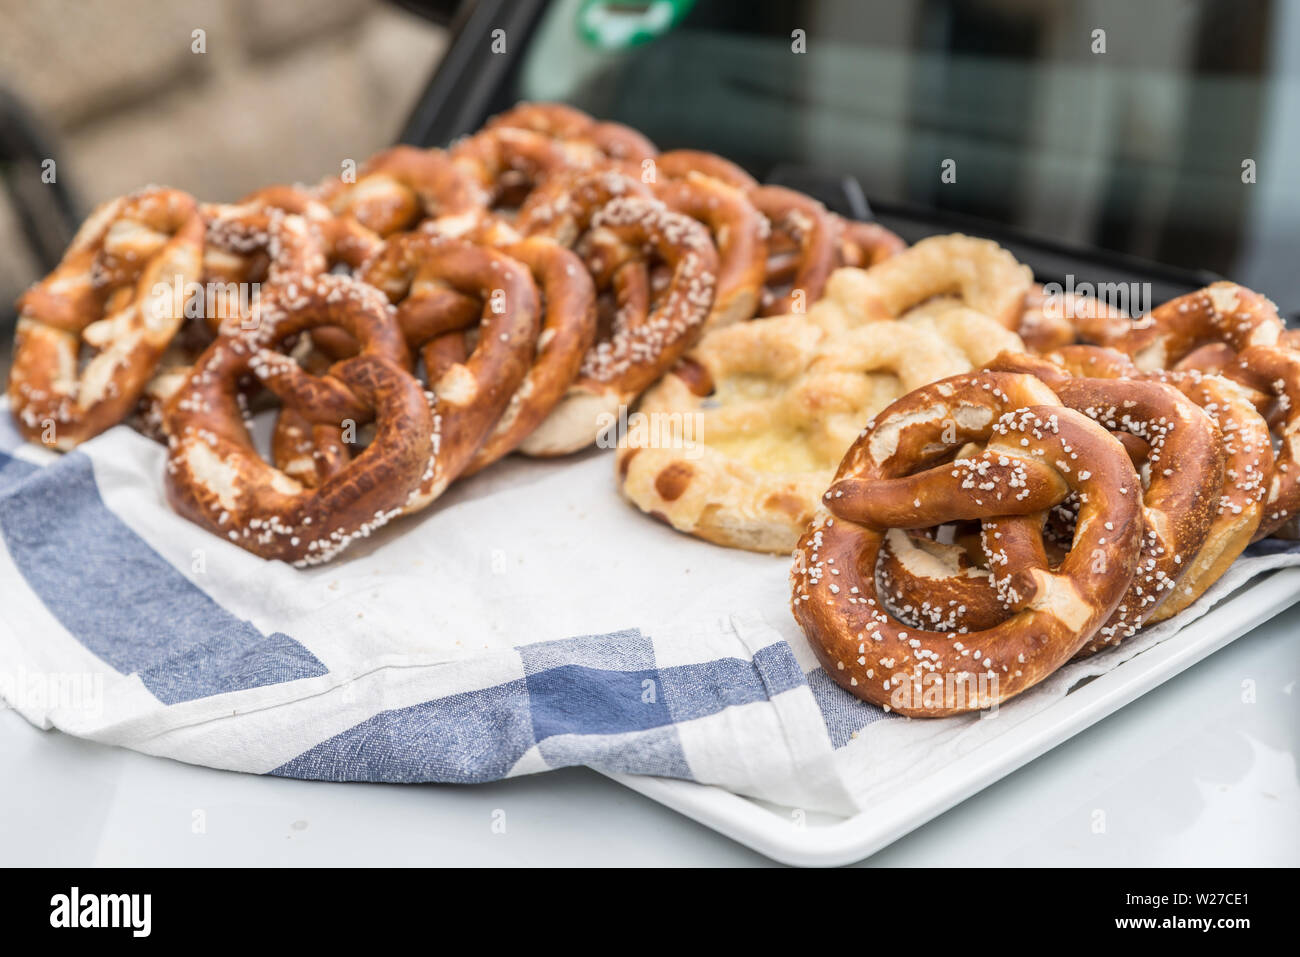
x: 286, y: 90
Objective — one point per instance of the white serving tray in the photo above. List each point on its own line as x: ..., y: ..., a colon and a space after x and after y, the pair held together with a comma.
x: 824, y: 840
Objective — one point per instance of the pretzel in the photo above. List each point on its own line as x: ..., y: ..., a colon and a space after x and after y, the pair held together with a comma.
x: 614, y: 140
x: 739, y: 232
x: 975, y: 334
x: 473, y: 386
x: 115, y: 291
x: 562, y: 207
x: 742, y: 437
x: 919, y: 673
x: 802, y: 229
x: 1201, y: 503
x: 398, y: 187
x: 865, y: 244
x: 1222, y: 312
x: 506, y: 163
x: 1274, y: 371
x: 568, y: 330
x: 680, y: 164
x: 249, y: 244
x: 978, y: 272
x: 651, y: 328
x: 343, y: 239
x: 216, y: 478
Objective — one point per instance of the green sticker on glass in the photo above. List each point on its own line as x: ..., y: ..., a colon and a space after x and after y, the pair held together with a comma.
x: 623, y: 24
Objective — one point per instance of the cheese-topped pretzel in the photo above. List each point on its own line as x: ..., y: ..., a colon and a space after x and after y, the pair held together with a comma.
x: 1222, y: 312
x: 630, y: 238
x: 614, y: 140
x: 120, y: 290
x: 978, y: 272
x: 398, y: 187
x: 802, y: 244
x: 1027, y: 438
x: 473, y: 382
x: 741, y: 439
x: 216, y: 478
x: 738, y: 230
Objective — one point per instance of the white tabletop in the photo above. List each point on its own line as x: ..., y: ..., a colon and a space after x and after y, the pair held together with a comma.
x: 1201, y: 771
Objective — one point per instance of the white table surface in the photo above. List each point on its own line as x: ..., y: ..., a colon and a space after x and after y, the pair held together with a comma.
x: 1194, y: 773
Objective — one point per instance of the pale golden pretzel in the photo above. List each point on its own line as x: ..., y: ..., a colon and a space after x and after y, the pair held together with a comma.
x: 121, y: 290
x: 739, y: 232
x: 743, y: 436
x: 978, y: 272
x: 398, y: 188
x: 216, y: 478
x: 1026, y: 433
x: 650, y: 329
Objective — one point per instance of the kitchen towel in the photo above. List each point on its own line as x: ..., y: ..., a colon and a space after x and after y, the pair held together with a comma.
x: 531, y: 619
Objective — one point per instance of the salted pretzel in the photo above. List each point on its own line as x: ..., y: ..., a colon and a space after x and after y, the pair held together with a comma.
x: 401, y: 186
x: 342, y: 238
x: 216, y: 478
x: 629, y: 239
x: 252, y: 244
x: 120, y: 291
x: 978, y: 272
x: 473, y: 381
x: 562, y: 207
x: 742, y: 437
x: 506, y: 163
x: 739, y: 232
x: 900, y: 473
x: 1221, y: 313
x: 1049, y: 321
x: 568, y: 330
x: 680, y: 164
x: 614, y: 140
x: 1202, y: 502
x: 802, y: 246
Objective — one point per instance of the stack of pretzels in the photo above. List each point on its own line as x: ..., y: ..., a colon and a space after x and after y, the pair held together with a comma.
x: 1075, y: 475
x: 987, y: 528
x: 414, y: 320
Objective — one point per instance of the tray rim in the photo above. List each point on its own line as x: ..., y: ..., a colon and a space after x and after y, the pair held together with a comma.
x: 852, y: 839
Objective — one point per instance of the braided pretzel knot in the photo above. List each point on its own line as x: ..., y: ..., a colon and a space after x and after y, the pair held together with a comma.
x: 614, y: 140
x: 115, y: 291
x: 1028, y: 437
x: 216, y: 478
x: 399, y: 187
x: 758, y: 416
x: 653, y: 327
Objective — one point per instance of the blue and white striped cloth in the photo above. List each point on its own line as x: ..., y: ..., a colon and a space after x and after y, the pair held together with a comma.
x: 530, y: 620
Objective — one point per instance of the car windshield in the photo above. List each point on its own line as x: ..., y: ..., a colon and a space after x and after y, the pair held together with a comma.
x: 1164, y: 130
